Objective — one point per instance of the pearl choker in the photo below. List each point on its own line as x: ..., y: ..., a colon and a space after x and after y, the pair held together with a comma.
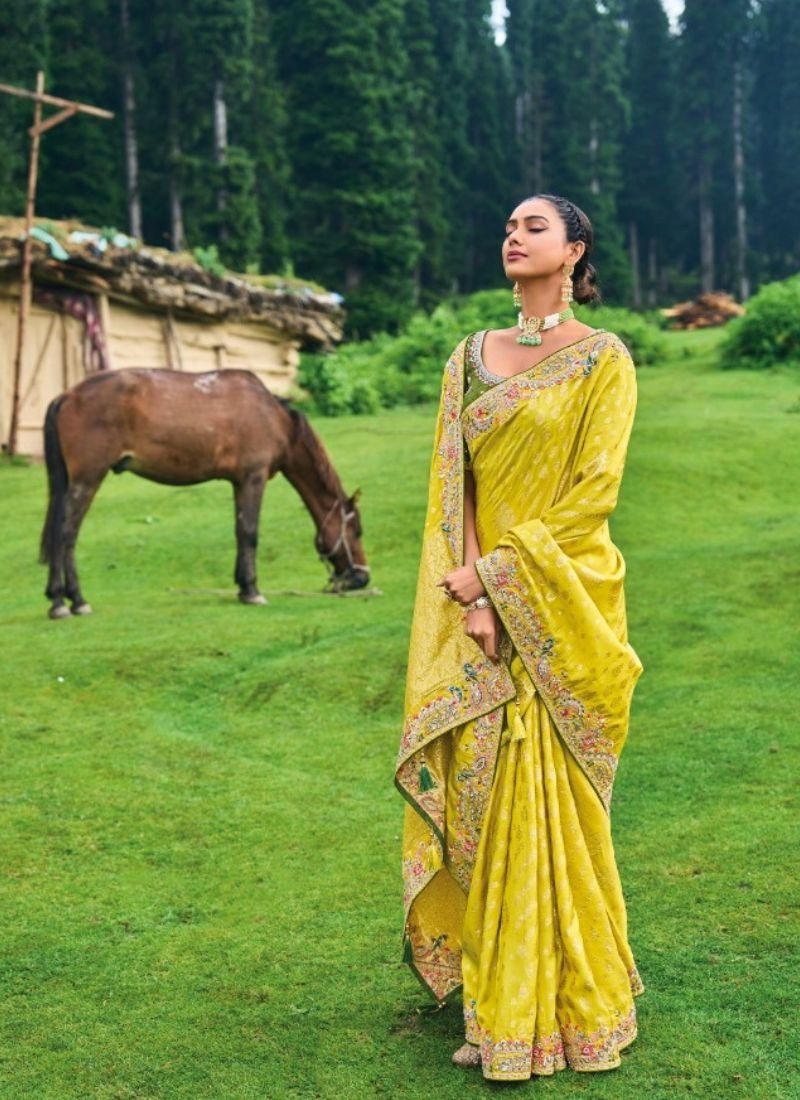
x: 531, y: 327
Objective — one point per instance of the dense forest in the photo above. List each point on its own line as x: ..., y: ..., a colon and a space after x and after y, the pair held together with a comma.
x: 376, y: 146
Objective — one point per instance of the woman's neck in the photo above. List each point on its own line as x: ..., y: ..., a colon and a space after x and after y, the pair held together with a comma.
x: 541, y: 297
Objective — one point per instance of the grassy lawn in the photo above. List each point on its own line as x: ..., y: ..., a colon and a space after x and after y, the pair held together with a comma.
x: 200, y: 892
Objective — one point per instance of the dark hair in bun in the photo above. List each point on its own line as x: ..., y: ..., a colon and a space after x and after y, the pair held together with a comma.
x: 578, y: 228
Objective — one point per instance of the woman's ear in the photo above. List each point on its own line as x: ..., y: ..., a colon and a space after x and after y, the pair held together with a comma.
x: 577, y: 249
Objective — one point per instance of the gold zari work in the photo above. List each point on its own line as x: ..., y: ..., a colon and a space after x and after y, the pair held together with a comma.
x: 511, y: 887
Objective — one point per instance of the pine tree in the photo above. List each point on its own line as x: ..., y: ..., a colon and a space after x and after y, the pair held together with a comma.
x: 710, y: 43
x: 572, y: 113
x: 648, y: 202
x: 490, y: 168
x: 777, y: 103
x: 350, y: 143
x: 221, y: 203
x: 433, y: 274
x: 266, y: 142
x: 22, y: 53
x: 82, y: 160
x: 451, y: 83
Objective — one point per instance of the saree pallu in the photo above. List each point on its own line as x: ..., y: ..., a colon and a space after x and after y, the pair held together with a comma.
x: 511, y: 886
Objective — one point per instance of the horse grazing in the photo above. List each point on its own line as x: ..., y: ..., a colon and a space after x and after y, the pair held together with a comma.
x: 181, y: 429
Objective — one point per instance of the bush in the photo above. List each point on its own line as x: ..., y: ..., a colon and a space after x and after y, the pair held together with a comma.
x: 769, y: 333
x: 407, y: 369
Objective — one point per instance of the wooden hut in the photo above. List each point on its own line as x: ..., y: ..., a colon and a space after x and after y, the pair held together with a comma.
x: 102, y: 301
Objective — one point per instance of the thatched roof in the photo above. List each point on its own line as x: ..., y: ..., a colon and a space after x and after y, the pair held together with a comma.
x: 69, y: 254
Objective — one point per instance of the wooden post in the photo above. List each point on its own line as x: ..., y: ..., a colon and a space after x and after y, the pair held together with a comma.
x: 69, y: 108
x: 25, y: 279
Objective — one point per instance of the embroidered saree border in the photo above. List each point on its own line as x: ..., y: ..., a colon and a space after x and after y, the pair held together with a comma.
x: 500, y: 402
x: 581, y: 729
x: 585, y: 1052
x: 476, y: 690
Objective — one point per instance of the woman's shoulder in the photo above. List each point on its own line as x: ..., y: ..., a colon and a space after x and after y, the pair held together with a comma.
x: 612, y: 346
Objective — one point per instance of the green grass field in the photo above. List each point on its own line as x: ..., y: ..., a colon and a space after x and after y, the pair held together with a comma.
x: 200, y: 893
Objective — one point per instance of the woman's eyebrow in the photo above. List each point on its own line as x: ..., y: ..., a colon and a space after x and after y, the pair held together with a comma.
x: 527, y: 218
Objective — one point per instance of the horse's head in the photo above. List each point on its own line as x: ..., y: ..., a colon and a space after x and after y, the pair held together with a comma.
x: 338, y: 544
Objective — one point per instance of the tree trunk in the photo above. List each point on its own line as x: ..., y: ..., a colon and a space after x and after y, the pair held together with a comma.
x: 738, y: 177
x: 594, y: 145
x: 706, y: 223
x: 129, y: 126
x: 220, y: 148
x: 175, y: 199
x: 636, y: 285
x: 652, y: 274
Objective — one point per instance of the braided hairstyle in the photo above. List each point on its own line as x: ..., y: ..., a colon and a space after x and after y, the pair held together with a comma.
x: 578, y: 228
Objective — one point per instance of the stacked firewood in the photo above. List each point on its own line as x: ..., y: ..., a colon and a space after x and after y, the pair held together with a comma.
x: 706, y: 311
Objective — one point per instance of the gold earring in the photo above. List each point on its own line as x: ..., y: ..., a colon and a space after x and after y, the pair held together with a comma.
x: 517, y: 296
x: 566, y: 283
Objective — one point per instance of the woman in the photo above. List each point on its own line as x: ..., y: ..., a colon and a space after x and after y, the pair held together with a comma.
x: 520, y: 677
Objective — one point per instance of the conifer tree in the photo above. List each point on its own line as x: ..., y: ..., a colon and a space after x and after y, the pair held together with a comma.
x: 350, y: 143
x: 221, y: 204
x: 266, y: 142
x: 82, y: 162
x: 490, y: 168
x: 710, y: 42
x: 572, y: 114
x: 777, y: 104
x: 648, y: 202
x: 433, y: 274
x: 22, y: 53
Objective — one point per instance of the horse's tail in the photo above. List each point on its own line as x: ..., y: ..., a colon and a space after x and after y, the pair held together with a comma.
x: 58, y: 482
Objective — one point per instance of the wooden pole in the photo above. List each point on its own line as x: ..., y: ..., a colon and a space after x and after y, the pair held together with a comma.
x: 25, y: 281
x: 69, y: 108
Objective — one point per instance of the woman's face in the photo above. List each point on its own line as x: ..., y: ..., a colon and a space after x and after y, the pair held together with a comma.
x: 536, y: 244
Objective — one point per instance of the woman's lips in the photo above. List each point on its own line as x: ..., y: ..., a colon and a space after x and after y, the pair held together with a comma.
x: 515, y: 256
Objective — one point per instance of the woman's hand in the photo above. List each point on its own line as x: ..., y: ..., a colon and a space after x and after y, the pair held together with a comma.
x: 463, y: 585
x: 483, y: 626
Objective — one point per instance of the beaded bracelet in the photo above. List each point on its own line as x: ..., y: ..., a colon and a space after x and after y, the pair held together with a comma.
x: 482, y: 601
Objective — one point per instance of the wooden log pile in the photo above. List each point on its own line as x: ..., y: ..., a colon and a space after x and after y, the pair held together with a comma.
x: 708, y: 310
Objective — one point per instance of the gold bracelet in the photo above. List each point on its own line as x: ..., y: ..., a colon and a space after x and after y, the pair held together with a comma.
x: 476, y: 605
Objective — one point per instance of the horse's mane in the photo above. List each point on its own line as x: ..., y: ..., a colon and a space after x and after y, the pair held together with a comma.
x: 304, y: 434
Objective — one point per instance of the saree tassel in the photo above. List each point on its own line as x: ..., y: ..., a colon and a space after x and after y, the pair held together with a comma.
x: 426, y: 782
x: 408, y: 951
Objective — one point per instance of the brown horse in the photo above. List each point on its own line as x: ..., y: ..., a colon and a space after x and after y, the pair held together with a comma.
x: 181, y: 429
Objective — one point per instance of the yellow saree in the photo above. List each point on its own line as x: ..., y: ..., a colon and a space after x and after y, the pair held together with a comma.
x: 511, y: 887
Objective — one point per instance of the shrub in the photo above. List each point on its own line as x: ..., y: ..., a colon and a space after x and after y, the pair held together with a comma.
x: 407, y: 369
x: 769, y: 333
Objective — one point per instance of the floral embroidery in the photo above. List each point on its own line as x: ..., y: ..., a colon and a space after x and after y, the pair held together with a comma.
x: 472, y: 1031
x: 517, y: 1059
x: 485, y: 685
x: 474, y: 784
x: 499, y: 403
x: 451, y: 455
x: 417, y: 872
x: 582, y: 730
x: 435, y: 961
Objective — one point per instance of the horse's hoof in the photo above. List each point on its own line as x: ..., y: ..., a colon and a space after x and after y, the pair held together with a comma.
x: 61, y: 611
x: 257, y: 600
x: 82, y: 609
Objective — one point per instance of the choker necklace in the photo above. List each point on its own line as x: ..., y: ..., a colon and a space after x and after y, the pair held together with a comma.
x: 531, y: 327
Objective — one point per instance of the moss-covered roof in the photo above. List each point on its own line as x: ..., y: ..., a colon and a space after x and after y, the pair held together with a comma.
x: 91, y: 259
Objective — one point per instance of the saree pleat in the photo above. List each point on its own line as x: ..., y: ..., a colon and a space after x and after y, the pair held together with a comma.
x: 548, y: 979
x: 512, y: 889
